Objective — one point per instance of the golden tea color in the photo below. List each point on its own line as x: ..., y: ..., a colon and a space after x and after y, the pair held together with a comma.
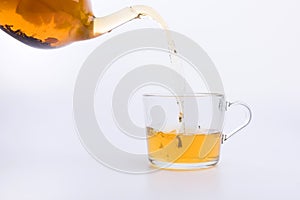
x: 46, y: 23
x: 55, y: 23
x: 172, y: 147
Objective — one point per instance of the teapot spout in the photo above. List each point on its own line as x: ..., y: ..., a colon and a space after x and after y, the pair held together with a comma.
x: 105, y: 24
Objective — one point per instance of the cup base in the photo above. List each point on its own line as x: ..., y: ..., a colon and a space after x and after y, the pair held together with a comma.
x: 182, y: 166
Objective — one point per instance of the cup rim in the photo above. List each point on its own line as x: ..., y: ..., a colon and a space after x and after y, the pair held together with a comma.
x: 198, y: 94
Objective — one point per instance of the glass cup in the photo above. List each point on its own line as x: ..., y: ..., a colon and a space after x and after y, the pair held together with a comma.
x: 186, y: 131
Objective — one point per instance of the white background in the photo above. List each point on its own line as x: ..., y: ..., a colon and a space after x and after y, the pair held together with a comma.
x: 255, y: 46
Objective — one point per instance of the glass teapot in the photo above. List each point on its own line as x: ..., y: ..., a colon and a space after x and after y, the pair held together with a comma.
x: 55, y: 23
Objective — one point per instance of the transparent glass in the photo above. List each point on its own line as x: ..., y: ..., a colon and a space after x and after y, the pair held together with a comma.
x: 186, y: 132
x: 55, y: 23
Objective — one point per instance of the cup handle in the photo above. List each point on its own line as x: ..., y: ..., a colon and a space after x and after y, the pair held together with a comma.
x: 237, y: 103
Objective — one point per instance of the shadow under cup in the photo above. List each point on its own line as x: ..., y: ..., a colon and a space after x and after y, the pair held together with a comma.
x: 185, y: 131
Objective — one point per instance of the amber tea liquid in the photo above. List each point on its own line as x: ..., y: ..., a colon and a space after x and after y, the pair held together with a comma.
x: 46, y: 23
x: 175, y: 148
x: 55, y: 23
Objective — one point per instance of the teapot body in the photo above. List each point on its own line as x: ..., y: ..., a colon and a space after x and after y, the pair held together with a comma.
x: 47, y: 23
